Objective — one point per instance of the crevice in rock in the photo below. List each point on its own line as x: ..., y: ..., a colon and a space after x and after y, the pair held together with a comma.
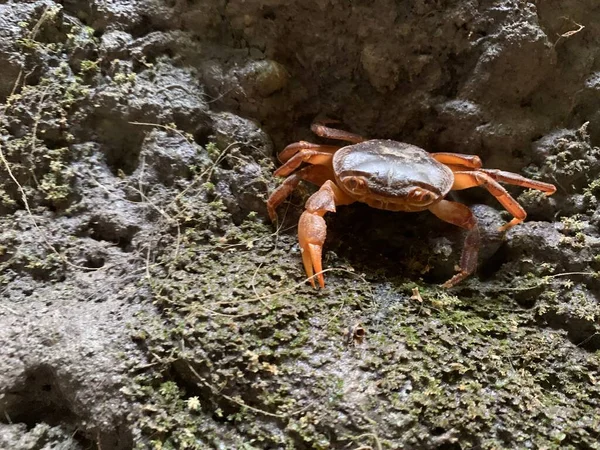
x: 581, y: 332
x: 101, y: 228
x: 39, y: 399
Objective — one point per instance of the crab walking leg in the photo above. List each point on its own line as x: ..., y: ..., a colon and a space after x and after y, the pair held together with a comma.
x: 458, y: 159
x: 332, y: 133
x: 308, y: 156
x: 312, y: 229
x: 464, y: 180
x: 294, y: 148
x: 313, y: 174
x: 518, y: 180
x: 460, y: 215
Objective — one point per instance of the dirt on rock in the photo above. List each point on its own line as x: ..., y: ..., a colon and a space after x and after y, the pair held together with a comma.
x: 146, y: 301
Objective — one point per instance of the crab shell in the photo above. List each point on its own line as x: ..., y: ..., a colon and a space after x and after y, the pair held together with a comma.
x: 391, y: 175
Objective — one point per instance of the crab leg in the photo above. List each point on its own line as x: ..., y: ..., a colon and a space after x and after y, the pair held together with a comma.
x: 331, y: 133
x: 294, y: 148
x: 308, y: 156
x: 460, y: 215
x: 312, y: 229
x: 313, y: 174
x: 464, y: 180
x: 458, y: 159
x: 518, y: 180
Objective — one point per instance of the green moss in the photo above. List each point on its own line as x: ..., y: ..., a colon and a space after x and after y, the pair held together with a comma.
x: 124, y: 78
x: 213, y: 151
x: 90, y: 67
x: 446, y: 363
x: 43, y: 111
x: 571, y: 224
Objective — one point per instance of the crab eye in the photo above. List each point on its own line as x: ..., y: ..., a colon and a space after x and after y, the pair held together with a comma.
x: 420, y: 195
x: 355, y: 184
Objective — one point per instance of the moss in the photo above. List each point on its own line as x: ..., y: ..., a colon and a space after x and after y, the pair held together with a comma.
x: 124, y: 78
x: 257, y: 347
x: 572, y: 227
x: 572, y: 161
x: 48, y: 170
x: 571, y: 224
x: 39, y: 158
x: 89, y: 67
x: 213, y: 151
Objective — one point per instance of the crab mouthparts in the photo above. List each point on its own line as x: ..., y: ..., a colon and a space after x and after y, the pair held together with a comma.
x: 415, y: 195
x: 416, y: 199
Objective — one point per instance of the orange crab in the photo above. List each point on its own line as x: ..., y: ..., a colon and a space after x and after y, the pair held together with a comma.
x: 389, y: 175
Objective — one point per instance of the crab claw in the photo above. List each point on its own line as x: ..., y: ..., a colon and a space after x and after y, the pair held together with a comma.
x: 311, y: 234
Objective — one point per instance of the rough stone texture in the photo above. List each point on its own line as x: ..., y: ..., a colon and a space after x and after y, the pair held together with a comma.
x: 146, y: 302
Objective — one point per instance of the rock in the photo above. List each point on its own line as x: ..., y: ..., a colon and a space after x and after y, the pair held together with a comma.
x: 146, y: 302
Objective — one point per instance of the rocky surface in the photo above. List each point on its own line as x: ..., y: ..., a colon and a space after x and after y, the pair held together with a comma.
x: 145, y: 300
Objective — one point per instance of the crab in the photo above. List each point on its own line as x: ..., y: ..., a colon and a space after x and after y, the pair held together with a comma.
x: 389, y: 175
